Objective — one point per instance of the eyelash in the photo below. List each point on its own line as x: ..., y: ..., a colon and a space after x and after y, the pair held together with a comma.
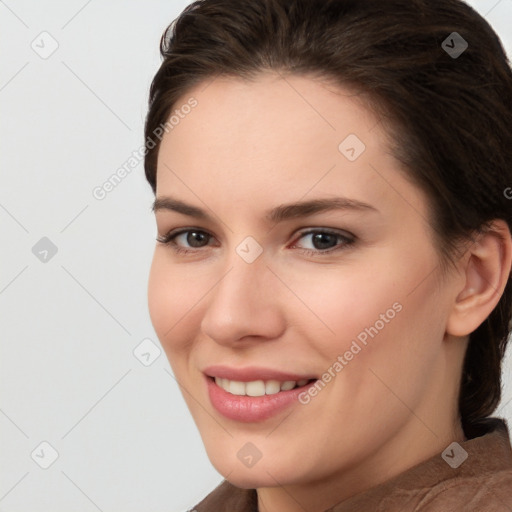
x: 169, y: 239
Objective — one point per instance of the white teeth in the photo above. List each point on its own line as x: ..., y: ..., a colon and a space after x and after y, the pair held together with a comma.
x: 257, y: 387
x: 272, y: 387
x: 287, y: 384
x: 236, y: 388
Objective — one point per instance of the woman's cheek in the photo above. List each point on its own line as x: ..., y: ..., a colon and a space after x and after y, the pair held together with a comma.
x: 349, y: 306
x: 167, y: 301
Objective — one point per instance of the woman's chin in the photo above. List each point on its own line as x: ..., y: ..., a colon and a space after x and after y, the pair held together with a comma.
x: 251, y: 479
x: 257, y: 476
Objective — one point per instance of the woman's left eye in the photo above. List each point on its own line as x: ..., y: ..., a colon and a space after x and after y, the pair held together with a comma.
x: 321, y: 241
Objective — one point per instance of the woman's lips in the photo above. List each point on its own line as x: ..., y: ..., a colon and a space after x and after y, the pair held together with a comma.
x: 248, y: 409
x: 251, y: 373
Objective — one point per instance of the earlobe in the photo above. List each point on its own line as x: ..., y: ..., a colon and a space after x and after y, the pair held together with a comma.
x: 486, y: 270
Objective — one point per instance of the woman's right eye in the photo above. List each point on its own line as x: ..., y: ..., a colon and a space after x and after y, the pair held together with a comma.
x: 191, y: 238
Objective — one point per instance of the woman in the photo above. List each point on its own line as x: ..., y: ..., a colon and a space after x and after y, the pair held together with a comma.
x: 331, y: 282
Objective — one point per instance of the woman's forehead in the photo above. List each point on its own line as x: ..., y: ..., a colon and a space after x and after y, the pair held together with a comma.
x: 275, y: 138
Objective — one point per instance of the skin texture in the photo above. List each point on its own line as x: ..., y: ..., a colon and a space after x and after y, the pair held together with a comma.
x: 248, y: 147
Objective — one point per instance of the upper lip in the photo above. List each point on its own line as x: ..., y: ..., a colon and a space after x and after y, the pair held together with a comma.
x: 251, y: 373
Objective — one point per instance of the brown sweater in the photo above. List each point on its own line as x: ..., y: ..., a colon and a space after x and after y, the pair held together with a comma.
x: 480, y: 483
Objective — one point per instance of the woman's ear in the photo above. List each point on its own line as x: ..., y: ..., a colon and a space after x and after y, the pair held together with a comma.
x: 485, y: 270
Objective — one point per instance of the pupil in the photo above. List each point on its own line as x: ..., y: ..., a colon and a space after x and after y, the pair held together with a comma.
x: 320, y: 239
x: 194, y: 238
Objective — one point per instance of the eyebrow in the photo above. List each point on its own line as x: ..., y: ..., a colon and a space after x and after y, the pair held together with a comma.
x: 275, y: 215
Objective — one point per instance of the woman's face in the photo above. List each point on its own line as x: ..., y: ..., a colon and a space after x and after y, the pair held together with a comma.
x: 270, y: 291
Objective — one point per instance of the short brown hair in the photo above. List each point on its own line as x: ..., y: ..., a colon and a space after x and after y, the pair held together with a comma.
x: 449, y: 117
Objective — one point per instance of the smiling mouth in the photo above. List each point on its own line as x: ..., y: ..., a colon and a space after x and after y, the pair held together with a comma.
x: 257, y: 388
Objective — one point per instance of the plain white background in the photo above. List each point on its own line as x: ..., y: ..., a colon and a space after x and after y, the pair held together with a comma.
x: 118, y: 434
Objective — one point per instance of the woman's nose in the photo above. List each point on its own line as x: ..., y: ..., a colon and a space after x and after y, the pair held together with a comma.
x: 245, y: 304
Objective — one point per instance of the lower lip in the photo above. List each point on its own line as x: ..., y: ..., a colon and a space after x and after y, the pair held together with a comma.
x: 249, y: 409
